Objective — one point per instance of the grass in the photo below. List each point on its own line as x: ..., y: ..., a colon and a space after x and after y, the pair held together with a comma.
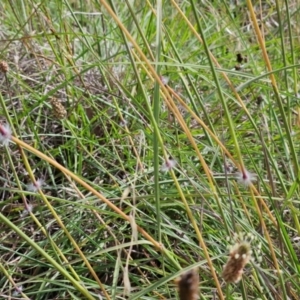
x: 92, y: 116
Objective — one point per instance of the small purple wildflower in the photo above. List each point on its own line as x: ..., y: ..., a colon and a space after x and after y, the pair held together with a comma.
x: 5, y: 134
x: 245, y: 177
x: 164, y: 80
x: 27, y: 210
x: 168, y: 165
x: 123, y: 123
x: 18, y: 290
x: 34, y: 187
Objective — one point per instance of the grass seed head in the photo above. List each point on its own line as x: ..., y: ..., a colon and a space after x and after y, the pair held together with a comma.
x: 239, y: 256
x: 4, y: 66
x: 58, y: 109
x: 188, y: 285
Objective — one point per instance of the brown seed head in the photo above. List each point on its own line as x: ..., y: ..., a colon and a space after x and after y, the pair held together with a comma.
x: 239, y: 256
x: 188, y: 285
x: 3, y: 66
x: 239, y: 58
x: 58, y: 109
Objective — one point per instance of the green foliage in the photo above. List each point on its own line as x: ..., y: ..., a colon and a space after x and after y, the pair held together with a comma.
x: 229, y: 110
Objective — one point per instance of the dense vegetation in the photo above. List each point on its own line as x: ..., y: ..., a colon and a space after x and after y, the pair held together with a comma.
x: 140, y: 140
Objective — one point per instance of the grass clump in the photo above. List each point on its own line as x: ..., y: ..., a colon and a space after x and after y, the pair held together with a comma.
x: 137, y: 138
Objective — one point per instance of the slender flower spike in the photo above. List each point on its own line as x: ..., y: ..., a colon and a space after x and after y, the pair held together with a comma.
x: 5, y: 134
x: 34, y: 187
x: 188, y: 285
x: 245, y: 177
x: 239, y: 256
x: 168, y: 165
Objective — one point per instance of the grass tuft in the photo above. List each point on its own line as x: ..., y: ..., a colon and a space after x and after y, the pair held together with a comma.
x: 139, y: 139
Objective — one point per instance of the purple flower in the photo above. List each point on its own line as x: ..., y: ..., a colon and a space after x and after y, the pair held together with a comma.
x: 34, y: 187
x: 168, y: 165
x: 5, y: 134
x: 245, y: 177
